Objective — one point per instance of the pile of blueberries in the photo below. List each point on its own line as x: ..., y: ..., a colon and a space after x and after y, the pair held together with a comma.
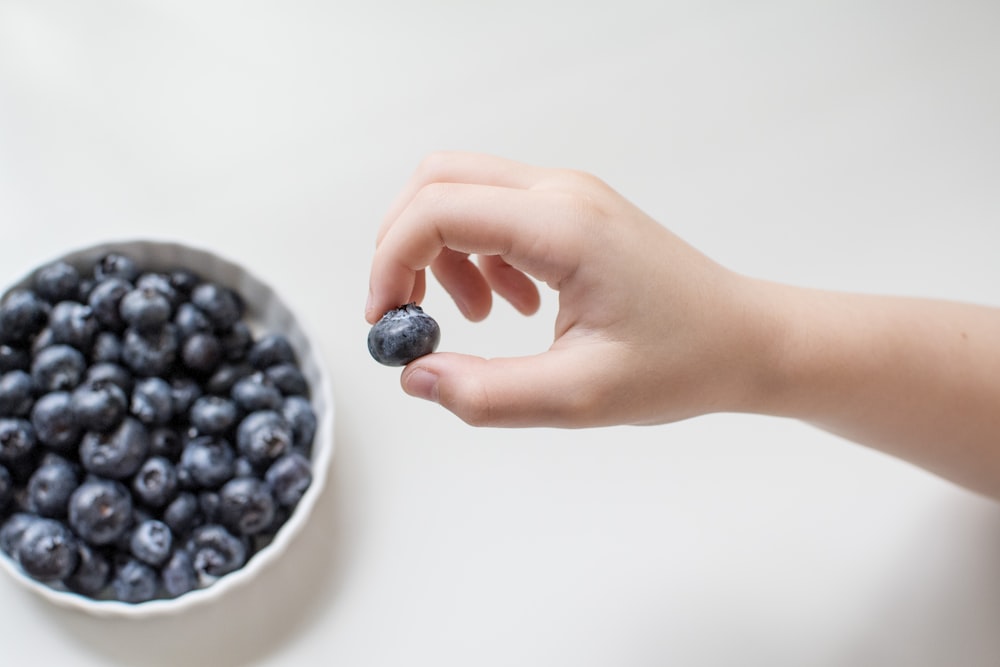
x: 150, y: 441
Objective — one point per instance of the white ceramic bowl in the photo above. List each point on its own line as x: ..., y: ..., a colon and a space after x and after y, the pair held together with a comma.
x: 266, y: 311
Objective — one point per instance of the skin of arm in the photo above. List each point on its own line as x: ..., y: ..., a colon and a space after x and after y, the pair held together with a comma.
x: 651, y: 331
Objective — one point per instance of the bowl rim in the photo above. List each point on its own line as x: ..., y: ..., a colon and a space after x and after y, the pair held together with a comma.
x: 321, y: 455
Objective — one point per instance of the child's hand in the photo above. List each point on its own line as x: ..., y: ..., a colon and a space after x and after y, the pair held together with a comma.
x: 649, y: 330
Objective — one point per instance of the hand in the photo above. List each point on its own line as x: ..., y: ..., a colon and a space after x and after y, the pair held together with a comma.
x: 649, y: 330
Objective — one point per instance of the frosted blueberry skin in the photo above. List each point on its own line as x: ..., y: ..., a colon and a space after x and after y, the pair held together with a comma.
x: 402, y: 335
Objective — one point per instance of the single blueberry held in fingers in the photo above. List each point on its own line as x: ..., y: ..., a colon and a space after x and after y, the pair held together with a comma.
x: 402, y: 335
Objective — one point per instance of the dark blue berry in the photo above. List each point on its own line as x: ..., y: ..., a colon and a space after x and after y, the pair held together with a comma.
x: 236, y: 341
x: 182, y: 513
x: 151, y: 542
x: 92, y: 573
x: 22, y: 315
x: 256, y: 392
x: 145, y: 309
x: 298, y: 412
x: 159, y: 282
x: 135, y: 582
x: 246, y: 505
x: 58, y: 367
x: 225, y: 376
x: 100, y: 511
x: 402, y: 335
x: 150, y: 353
x: 73, y: 323
x: 116, y: 265
x: 59, y: 281
x: 14, y: 359
x: 51, y: 486
x: 270, y: 350
x: 6, y: 488
x: 178, y: 574
x: 107, y: 348
x: 155, y: 483
x: 165, y: 441
x: 117, y: 454
x: 114, y: 373
x: 54, y: 421
x: 190, y: 320
x: 289, y: 379
x: 184, y: 391
x: 184, y: 280
x: 215, y: 551
x: 47, y: 550
x: 105, y: 299
x: 13, y: 530
x: 213, y: 415
x: 220, y: 304
x: 152, y: 401
x: 208, y: 461
x: 17, y: 439
x: 202, y: 353
x: 263, y: 436
x: 99, y: 405
x: 16, y: 393
x: 289, y: 478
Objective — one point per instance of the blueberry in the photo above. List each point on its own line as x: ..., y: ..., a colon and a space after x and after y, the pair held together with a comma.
x: 155, y: 483
x: 256, y: 392
x: 165, y: 441
x: 208, y: 461
x: 202, y: 352
x: 184, y: 391
x: 208, y: 505
x: 57, y: 282
x: 58, y: 367
x: 51, y: 486
x: 135, y: 582
x: 116, y: 265
x: 220, y: 304
x: 236, y: 341
x: 107, y: 348
x: 73, y: 323
x: 159, y: 282
x: 100, y: 511
x: 178, y: 574
x: 225, y: 376
x: 213, y: 415
x: 145, y: 309
x: 183, y: 513
x: 243, y: 468
x: 246, y: 505
x: 16, y: 393
x: 99, y: 405
x: 289, y: 379
x: 54, y: 421
x: 117, y: 454
x: 92, y: 571
x: 263, y: 436
x: 270, y: 350
x: 184, y: 281
x: 6, y: 487
x: 152, y: 401
x: 299, y: 413
x: 190, y: 320
x: 289, y: 478
x: 215, y: 551
x: 13, y: 530
x: 14, y: 359
x: 17, y: 439
x: 402, y: 335
x: 22, y: 315
x: 151, y: 542
x: 105, y: 299
x: 107, y: 371
x: 47, y: 550
x: 151, y: 353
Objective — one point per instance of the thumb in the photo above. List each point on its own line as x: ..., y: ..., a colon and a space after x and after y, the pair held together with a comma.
x: 555, y: 388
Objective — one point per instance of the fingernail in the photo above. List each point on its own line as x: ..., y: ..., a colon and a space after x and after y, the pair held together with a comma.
x: 423, y: 384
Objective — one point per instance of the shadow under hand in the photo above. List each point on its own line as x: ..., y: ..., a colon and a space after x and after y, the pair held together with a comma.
x: 940, y: 602
x: 249, y: 622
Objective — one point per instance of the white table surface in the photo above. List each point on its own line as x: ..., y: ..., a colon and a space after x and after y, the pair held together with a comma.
x: 850, y: 144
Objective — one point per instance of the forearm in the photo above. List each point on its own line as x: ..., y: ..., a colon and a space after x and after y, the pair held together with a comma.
x: 916, y: 378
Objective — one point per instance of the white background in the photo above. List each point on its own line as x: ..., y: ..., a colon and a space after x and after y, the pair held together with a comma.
x: 848, y: 144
